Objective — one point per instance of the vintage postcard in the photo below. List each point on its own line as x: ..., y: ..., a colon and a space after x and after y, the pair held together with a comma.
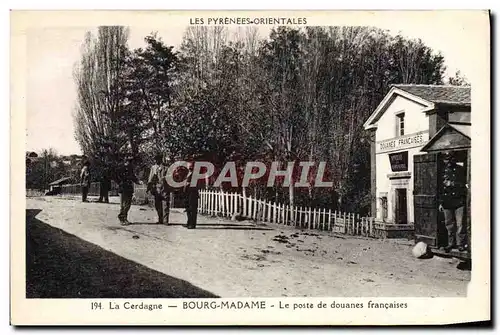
x: 250, y: 167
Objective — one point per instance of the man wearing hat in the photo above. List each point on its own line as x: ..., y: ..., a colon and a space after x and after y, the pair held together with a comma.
x: 158, y: 187
x: 85, y: 180
x: 191, y: 193
x: 452, y: 202
x: 125, y: 177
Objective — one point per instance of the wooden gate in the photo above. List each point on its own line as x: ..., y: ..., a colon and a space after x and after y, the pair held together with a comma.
x: 425, y: 198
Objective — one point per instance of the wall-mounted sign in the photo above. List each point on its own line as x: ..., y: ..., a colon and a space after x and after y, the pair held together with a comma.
x: 403, y: 142
x: 399, y: 161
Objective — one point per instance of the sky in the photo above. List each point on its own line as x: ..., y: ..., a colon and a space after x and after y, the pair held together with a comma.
x: 53, y: 52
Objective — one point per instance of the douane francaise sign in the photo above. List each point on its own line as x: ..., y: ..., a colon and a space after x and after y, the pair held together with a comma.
x: 403, y: 142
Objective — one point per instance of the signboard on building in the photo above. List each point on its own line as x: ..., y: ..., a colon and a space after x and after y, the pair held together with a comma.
x: 399, y: 161
x: 403, y: 142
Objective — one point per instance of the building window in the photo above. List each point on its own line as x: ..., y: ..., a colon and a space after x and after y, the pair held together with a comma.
x: 400, y: 124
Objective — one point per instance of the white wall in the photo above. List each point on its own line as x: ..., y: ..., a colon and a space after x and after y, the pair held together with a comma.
x: 415, y: 121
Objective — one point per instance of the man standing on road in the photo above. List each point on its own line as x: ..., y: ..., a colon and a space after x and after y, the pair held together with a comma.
x: 85, y: 180
x: 158, y: 187
x: 105, y: 185
x: 453, y: 197
x: 191, y: 193
x: 125, y: 177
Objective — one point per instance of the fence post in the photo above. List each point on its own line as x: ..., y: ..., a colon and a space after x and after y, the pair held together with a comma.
x: 304, y: 217
x: 223, y: 202
x: 353, y: 224
x: 244, y: 205
x: 202, y: 207
x: 214, y: 202
x: 237, y: 203
x: 222, y: 205
x: 287, y: 215
x: 278, y: 210
x: 334, y: 220
x: 199, y: 209
x: 205, y: 200
x: 353, y: 216
x: 346, y: 226
x: 274, y: 216
x: 283, y: 211
x: 314, y: 217
x: 209, y: 202
x: 268, y: 206
x: 263, y: 206
x: 249, y: 207
x: 330, y: 219
x: 237, y: 206
x: 323, y: 221
x: 358, y: 232
x: 371, y: 226
x: 309, y: 217
x: 259, y: 210
x: 254, y: 208
x: 295, y: 215
x: 283, y: 214
x: 298, y: 217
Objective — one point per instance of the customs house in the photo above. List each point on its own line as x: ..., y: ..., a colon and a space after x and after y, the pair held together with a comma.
x: 408, y: 130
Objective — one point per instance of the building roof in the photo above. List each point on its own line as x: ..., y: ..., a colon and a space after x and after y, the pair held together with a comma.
x: 440, y: 94
x: 427, y: 96
x: 60, y: 181
x: 460, y: 142
x: 461, y: 128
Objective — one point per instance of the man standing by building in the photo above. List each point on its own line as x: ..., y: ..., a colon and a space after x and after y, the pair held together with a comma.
x: 85, y: 180
x: 452, y: 202
x: 191, y: 194
x: 125, y: 177
x: 157, y: 185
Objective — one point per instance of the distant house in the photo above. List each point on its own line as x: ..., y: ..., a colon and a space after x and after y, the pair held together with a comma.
x: 55, y: 186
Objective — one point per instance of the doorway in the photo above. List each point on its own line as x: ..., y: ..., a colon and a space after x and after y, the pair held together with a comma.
x: 401, y: 206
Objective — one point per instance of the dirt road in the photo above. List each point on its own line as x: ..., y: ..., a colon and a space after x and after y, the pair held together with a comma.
x: 243, y: 259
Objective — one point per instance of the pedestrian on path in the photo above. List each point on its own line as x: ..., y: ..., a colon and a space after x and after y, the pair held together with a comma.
x: 105, y: 185
x: 157, y: 186
x: 191, y: 193
x: 125, y: 177
x: 85, y: 180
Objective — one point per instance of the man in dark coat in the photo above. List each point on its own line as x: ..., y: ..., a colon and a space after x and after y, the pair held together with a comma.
x: 125, y: 177
x: 158, y: 187
x: 452, y: 202
x: 105, y: 185
x: 191, y: 193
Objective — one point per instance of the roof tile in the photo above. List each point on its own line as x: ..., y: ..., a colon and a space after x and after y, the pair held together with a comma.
x: 445, y: 94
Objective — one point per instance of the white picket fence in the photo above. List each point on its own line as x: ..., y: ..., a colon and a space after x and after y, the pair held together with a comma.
x: 225, y: 204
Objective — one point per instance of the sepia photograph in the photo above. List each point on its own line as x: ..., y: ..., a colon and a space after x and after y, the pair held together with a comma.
x: 257, y: 155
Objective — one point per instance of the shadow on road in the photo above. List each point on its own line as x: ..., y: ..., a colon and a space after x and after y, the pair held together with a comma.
x: 61, y: 265
x: 209, y: 226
